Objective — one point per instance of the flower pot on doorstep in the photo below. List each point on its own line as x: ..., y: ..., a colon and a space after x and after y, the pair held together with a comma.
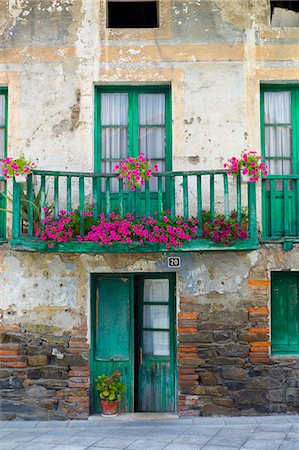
x: 109, y: 408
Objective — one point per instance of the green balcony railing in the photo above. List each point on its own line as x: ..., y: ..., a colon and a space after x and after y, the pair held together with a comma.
x: 183, y: 193
x: 2, y: 209
x: 280, y: 197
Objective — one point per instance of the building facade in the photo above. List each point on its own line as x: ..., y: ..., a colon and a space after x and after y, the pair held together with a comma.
x: 84, y: 84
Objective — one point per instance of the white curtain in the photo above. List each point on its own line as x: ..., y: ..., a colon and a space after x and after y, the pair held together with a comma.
x: 278, y: 139
x: 156, y: 316
x: 152, y: 112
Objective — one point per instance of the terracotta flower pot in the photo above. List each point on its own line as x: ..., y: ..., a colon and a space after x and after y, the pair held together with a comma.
x: 109, y: 408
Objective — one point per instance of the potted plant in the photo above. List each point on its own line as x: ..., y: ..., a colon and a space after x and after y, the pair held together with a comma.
x: 135, y: 171
x: 19, y: 168
x: 248, y: 165
x: 110, y: 390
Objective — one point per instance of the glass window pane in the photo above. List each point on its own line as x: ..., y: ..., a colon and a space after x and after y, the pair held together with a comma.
x: 280, y: 166
x: 151, y: 109
x: 115, y: 143
x: 114, y: 109
x: 156, y: 343
x: 277, y: 107
x: 156, y: 316
x: 2, y: 142
x: 152, y: 142
x: 156, y: 290
x: 278, y: 141
x: 2, y: 109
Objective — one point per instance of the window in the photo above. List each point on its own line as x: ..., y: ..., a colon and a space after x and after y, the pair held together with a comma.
x: 284, y: 13
x: 132, y: 14
x: 133, y: 120
x: 3, y: 147
x: 285, y: 313
x: 280, y: 147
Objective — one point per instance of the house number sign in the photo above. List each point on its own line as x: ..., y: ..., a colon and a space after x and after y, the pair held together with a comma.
x: 174, y: 261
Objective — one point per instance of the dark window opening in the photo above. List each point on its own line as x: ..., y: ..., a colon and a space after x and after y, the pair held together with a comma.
x: 132, y: 14
x: 284, y: 14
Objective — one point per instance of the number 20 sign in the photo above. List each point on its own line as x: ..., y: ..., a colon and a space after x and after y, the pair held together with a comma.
x: 174, y: 261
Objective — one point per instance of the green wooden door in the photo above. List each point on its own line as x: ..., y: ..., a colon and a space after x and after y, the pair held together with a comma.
x: 132, y: 320
x: 280, y: 147
x: 130, y: 120
x: 112, y: 338
x: 285, y: 313
x: 3, y: 153
x: 155, y: 347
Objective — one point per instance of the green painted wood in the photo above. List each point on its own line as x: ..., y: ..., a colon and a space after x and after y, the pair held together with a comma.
x: 252, y: 225
x: 30, y: 204
x: 171, y: 181
x: 134, y: 127
x: 16, y: 210
x: 212, y: 197
x: 279, y: 203
x: 156, y: 390
x: 81, y: 204
x: 3, y: 188
x: 112, y: 334
x: 147, y: 199
x: 185, y: 197
x: 285, y: 313
x: 121, y: 197
x: 199, y: 203
x: 69, y: 194
x: 23, y: 243
x: 160, y: 196
x: 226, y: 196
x: 239, y: 199
x: 43, y: 199
x: 56, y: 196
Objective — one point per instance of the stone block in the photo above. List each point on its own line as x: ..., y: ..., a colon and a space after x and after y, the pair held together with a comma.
x: 235, y: 373
x: 38, y: 360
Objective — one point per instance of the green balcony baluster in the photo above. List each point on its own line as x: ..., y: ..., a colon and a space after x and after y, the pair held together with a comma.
x: 81, y: 205
x: 30, y: 205
x: 56, y: 196
x: 212, y: 196
x: 121, y: 197
x: 226, y: 196
x: 43, y: 200
x: 185, y: 196
x: 69, y: 194
x: 199, y: 204
x: 239, y: 199
x: 16, y: 210
x: 160, y: 196
x: 108, y: 197
x: 286, y: 208
x: 147, y: 199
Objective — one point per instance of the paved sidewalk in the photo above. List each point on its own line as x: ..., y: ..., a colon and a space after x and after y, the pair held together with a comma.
x: 257, y: 433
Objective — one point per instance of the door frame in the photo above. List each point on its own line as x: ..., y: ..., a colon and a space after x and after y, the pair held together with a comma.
x: 93, y: 287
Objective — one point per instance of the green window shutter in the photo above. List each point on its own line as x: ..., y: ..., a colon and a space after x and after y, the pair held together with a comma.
x: 285, y: 313
x: 3, y: 154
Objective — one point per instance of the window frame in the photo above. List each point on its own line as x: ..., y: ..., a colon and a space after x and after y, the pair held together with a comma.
x: 4, y: 91
x: 133, y: 92
x: 130, y: 27
x: 294, y: 89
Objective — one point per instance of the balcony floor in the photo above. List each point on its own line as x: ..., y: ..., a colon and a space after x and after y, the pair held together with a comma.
x: 26, y: 243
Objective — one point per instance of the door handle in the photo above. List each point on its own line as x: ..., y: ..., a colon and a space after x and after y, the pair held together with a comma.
x: 140, y: 356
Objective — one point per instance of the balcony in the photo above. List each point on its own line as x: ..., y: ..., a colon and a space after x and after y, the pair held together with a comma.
x: 206, y: 195
x: 280, y: 196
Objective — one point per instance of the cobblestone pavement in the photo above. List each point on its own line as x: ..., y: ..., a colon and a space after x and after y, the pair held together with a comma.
x: 258, y: 433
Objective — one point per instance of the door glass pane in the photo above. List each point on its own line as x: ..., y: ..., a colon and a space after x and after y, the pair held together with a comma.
x: 151, y: 109
x: 114, y: 109
x: 152, y: 142
x: 156, y: 316
x: 2, y: 109
x: 156, y: 290
x: 278, y: 141
x: 114, y: 143
x: 2, y: 142
x: 156, y: 343
x: 277, y: 107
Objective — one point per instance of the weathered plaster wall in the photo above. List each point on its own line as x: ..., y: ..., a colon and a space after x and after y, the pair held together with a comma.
x: 214, y: 54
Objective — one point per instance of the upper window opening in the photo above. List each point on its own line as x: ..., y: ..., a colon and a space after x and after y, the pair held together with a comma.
x: 284, y: 13
x: 132, y: 14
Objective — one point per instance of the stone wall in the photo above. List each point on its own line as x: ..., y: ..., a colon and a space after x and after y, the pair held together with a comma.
x: 44, y: 374
x: 223, y: 331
